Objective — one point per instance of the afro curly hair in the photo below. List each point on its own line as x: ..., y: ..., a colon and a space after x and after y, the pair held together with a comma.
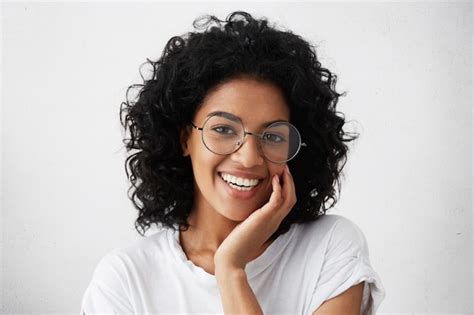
x: 190, y: 66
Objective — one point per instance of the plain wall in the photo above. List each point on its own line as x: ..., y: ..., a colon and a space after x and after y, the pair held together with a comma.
x: 407, y: 71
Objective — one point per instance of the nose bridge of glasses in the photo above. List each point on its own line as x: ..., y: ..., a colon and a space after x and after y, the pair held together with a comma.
x: 259, y: 136
x: 257, y: 147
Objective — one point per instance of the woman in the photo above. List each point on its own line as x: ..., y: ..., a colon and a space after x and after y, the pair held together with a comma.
x: 239, y: 150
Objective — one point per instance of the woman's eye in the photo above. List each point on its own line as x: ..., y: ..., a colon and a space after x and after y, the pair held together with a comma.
x: 274, y: 138
x: 224, y: 130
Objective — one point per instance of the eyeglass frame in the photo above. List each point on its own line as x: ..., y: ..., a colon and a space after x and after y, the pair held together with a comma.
x: 260, y: 136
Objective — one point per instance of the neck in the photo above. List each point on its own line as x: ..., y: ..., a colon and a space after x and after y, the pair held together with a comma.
x: 207, y: 230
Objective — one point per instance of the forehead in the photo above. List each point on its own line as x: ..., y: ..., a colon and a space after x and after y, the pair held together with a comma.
x: 255, y: 102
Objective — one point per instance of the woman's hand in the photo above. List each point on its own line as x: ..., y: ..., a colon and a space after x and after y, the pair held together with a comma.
x: 244, y: 243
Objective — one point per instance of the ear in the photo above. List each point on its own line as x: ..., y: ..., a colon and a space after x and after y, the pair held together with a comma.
x: 183, y: 139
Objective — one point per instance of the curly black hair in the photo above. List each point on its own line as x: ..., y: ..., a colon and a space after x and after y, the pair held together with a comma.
x: 218, y: 51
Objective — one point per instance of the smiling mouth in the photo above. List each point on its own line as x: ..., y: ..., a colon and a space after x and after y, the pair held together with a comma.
x: 238, y: 183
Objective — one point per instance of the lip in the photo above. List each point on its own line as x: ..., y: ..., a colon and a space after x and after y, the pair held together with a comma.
x: 237, y: 194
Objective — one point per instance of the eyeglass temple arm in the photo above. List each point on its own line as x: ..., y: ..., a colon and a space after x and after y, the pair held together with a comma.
x: 196, y: 126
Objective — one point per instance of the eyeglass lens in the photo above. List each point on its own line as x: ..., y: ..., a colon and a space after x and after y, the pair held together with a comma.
x: 280, y: 141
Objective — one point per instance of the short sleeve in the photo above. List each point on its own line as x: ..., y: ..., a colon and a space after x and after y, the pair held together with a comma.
x: 107, y: 292
x: 346, y: 263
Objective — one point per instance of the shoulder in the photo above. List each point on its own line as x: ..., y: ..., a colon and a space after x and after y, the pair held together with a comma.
x: 330, y: 237
x: 340, y: 258
x: 132, y: 256
x: 332, y: 228
x: 120, y: 273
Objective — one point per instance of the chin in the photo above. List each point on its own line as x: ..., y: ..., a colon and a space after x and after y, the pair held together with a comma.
x: 239, y: 216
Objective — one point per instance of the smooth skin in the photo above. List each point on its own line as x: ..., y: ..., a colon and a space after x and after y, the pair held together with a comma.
x: 226, y: 234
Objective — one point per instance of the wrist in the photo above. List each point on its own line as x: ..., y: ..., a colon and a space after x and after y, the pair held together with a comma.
x: 229, y: 272
x: 222, y: 262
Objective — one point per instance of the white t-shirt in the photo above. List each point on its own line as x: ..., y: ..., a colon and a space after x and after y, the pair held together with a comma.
x: 311, y: 263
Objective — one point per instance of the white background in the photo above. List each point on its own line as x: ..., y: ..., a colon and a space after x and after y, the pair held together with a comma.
x: 407, y: 70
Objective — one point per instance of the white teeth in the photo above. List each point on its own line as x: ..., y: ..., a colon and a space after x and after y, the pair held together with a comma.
x: 234, y: 181
x: 240, y: 188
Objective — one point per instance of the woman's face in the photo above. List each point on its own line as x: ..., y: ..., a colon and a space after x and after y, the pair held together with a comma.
x: 256, y: 104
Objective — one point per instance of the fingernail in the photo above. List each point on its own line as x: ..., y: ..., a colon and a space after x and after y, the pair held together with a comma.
x: 287, y: 169
x: 277, y: 179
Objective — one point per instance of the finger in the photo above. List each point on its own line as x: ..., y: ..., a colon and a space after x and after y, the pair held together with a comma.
x: 288, y: 189
x: 276, y: 196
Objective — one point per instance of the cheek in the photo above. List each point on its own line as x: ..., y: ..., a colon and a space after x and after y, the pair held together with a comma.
x: 205, y: 165
x: 276, y: 169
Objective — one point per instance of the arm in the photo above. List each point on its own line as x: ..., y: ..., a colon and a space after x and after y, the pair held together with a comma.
x: 348, y: 302
x: 237, y: 296
x: 245, y: 242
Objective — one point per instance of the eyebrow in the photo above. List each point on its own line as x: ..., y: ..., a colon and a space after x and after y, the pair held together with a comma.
x: 237, y: 119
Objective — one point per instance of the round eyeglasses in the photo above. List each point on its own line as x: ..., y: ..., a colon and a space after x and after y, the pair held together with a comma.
x: 223, y: 133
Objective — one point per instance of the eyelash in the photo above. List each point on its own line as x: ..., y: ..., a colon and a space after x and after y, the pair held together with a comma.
x: 223, y: 127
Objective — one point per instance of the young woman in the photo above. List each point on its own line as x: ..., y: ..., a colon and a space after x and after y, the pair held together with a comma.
x: 238, y: 150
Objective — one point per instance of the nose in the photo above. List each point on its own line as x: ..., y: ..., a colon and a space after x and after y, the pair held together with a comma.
x: 249, y: 154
